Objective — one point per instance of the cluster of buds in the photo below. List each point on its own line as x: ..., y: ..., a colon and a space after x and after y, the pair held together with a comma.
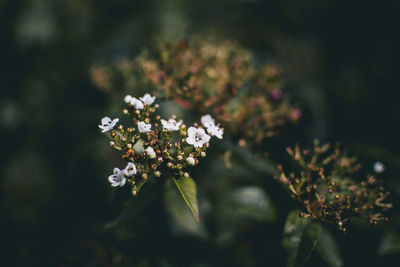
x: 221, y: 79
x: 153, y: 146
x: 327, y: 188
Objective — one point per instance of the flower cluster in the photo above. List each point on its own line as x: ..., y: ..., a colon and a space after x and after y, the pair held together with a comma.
x: 221, y: 79
x: 328, y: 189
x: 153, y: 149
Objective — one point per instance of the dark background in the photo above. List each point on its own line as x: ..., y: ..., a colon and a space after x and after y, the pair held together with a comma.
x: 340, y: 62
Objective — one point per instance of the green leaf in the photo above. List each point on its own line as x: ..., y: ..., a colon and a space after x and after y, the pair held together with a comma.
x: 300, y: 236
x: 328, y: 249
x: 181, y: 215
x: 187, y: 188
x: 390, y: 243
x: 253, y: 202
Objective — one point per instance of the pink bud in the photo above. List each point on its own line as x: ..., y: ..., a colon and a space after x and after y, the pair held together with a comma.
x: 277, y: 94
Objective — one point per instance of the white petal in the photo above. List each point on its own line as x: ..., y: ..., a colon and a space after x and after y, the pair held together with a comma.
x: 128, y: 99
x: 192, y: 131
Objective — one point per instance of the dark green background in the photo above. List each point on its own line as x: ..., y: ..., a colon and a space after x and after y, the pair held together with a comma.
x: 340, y: 61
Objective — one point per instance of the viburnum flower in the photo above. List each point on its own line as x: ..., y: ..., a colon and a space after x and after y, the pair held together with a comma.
x: 133, y: 101
x: 197, y: 137
x: 144, y: 127
x: 128, y: 99
x: 150, y: 152
x: 171, y: 125
x: 107, y: 124
x: 214, y: 130
x: 130, y: 169
x: 207, y: 120
x: 117, y: 179
x: 190, y: 161
x: 148, y: 99
x: 379, y: 167
x: 148, y: 147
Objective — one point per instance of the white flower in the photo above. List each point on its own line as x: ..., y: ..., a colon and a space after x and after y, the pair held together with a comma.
x: 130, y: 169
x: 379, y: 167
x: 197, y: 137
x: 171, y: 125
x: 133, y: 101
x: 144, y: 127
x: 150, y: 152
x: 148, y: 99
x: 128, y: 99
x: 207, y: 120
x: 136, y: 103
x: 190, y: 161
x: 117, y: 179
x: 214, y: 130
x: 107, y: 124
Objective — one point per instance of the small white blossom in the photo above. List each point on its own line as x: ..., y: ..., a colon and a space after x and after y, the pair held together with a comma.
x: 190, y: 161
x: 379, y: 167
x: 144, y: 127
x: 197, y: 137
x: 107, y: 124
x: 133, y: 101
x: 128, y: 99
x: 136, y: 103
x: 150, y: 152
x: 130, y: 169
x: 148, y: 99
x: 171, y: 125
x: 117, y: 179
x: 207, y: 120
x: 214, y: 130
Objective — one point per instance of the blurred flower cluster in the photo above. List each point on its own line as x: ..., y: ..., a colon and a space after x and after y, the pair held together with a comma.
x: 327, y: 187
x: 153, y: 146
x: 221, y: 79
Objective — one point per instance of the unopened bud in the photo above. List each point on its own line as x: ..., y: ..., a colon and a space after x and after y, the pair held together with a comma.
x: 186, y: 174
x: 179, y: 157
x: 144, y: 175
x: 203, y: 154
x: 190, y: 161
x: 157, y: 173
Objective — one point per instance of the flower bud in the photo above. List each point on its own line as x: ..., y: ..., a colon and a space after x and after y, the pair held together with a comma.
x: 157, y: 173
x: 203, y: 154
x: 190, y: 161
x: 179, y: 157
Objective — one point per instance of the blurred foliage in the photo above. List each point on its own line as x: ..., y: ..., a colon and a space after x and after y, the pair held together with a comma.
x: 338, y: 60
